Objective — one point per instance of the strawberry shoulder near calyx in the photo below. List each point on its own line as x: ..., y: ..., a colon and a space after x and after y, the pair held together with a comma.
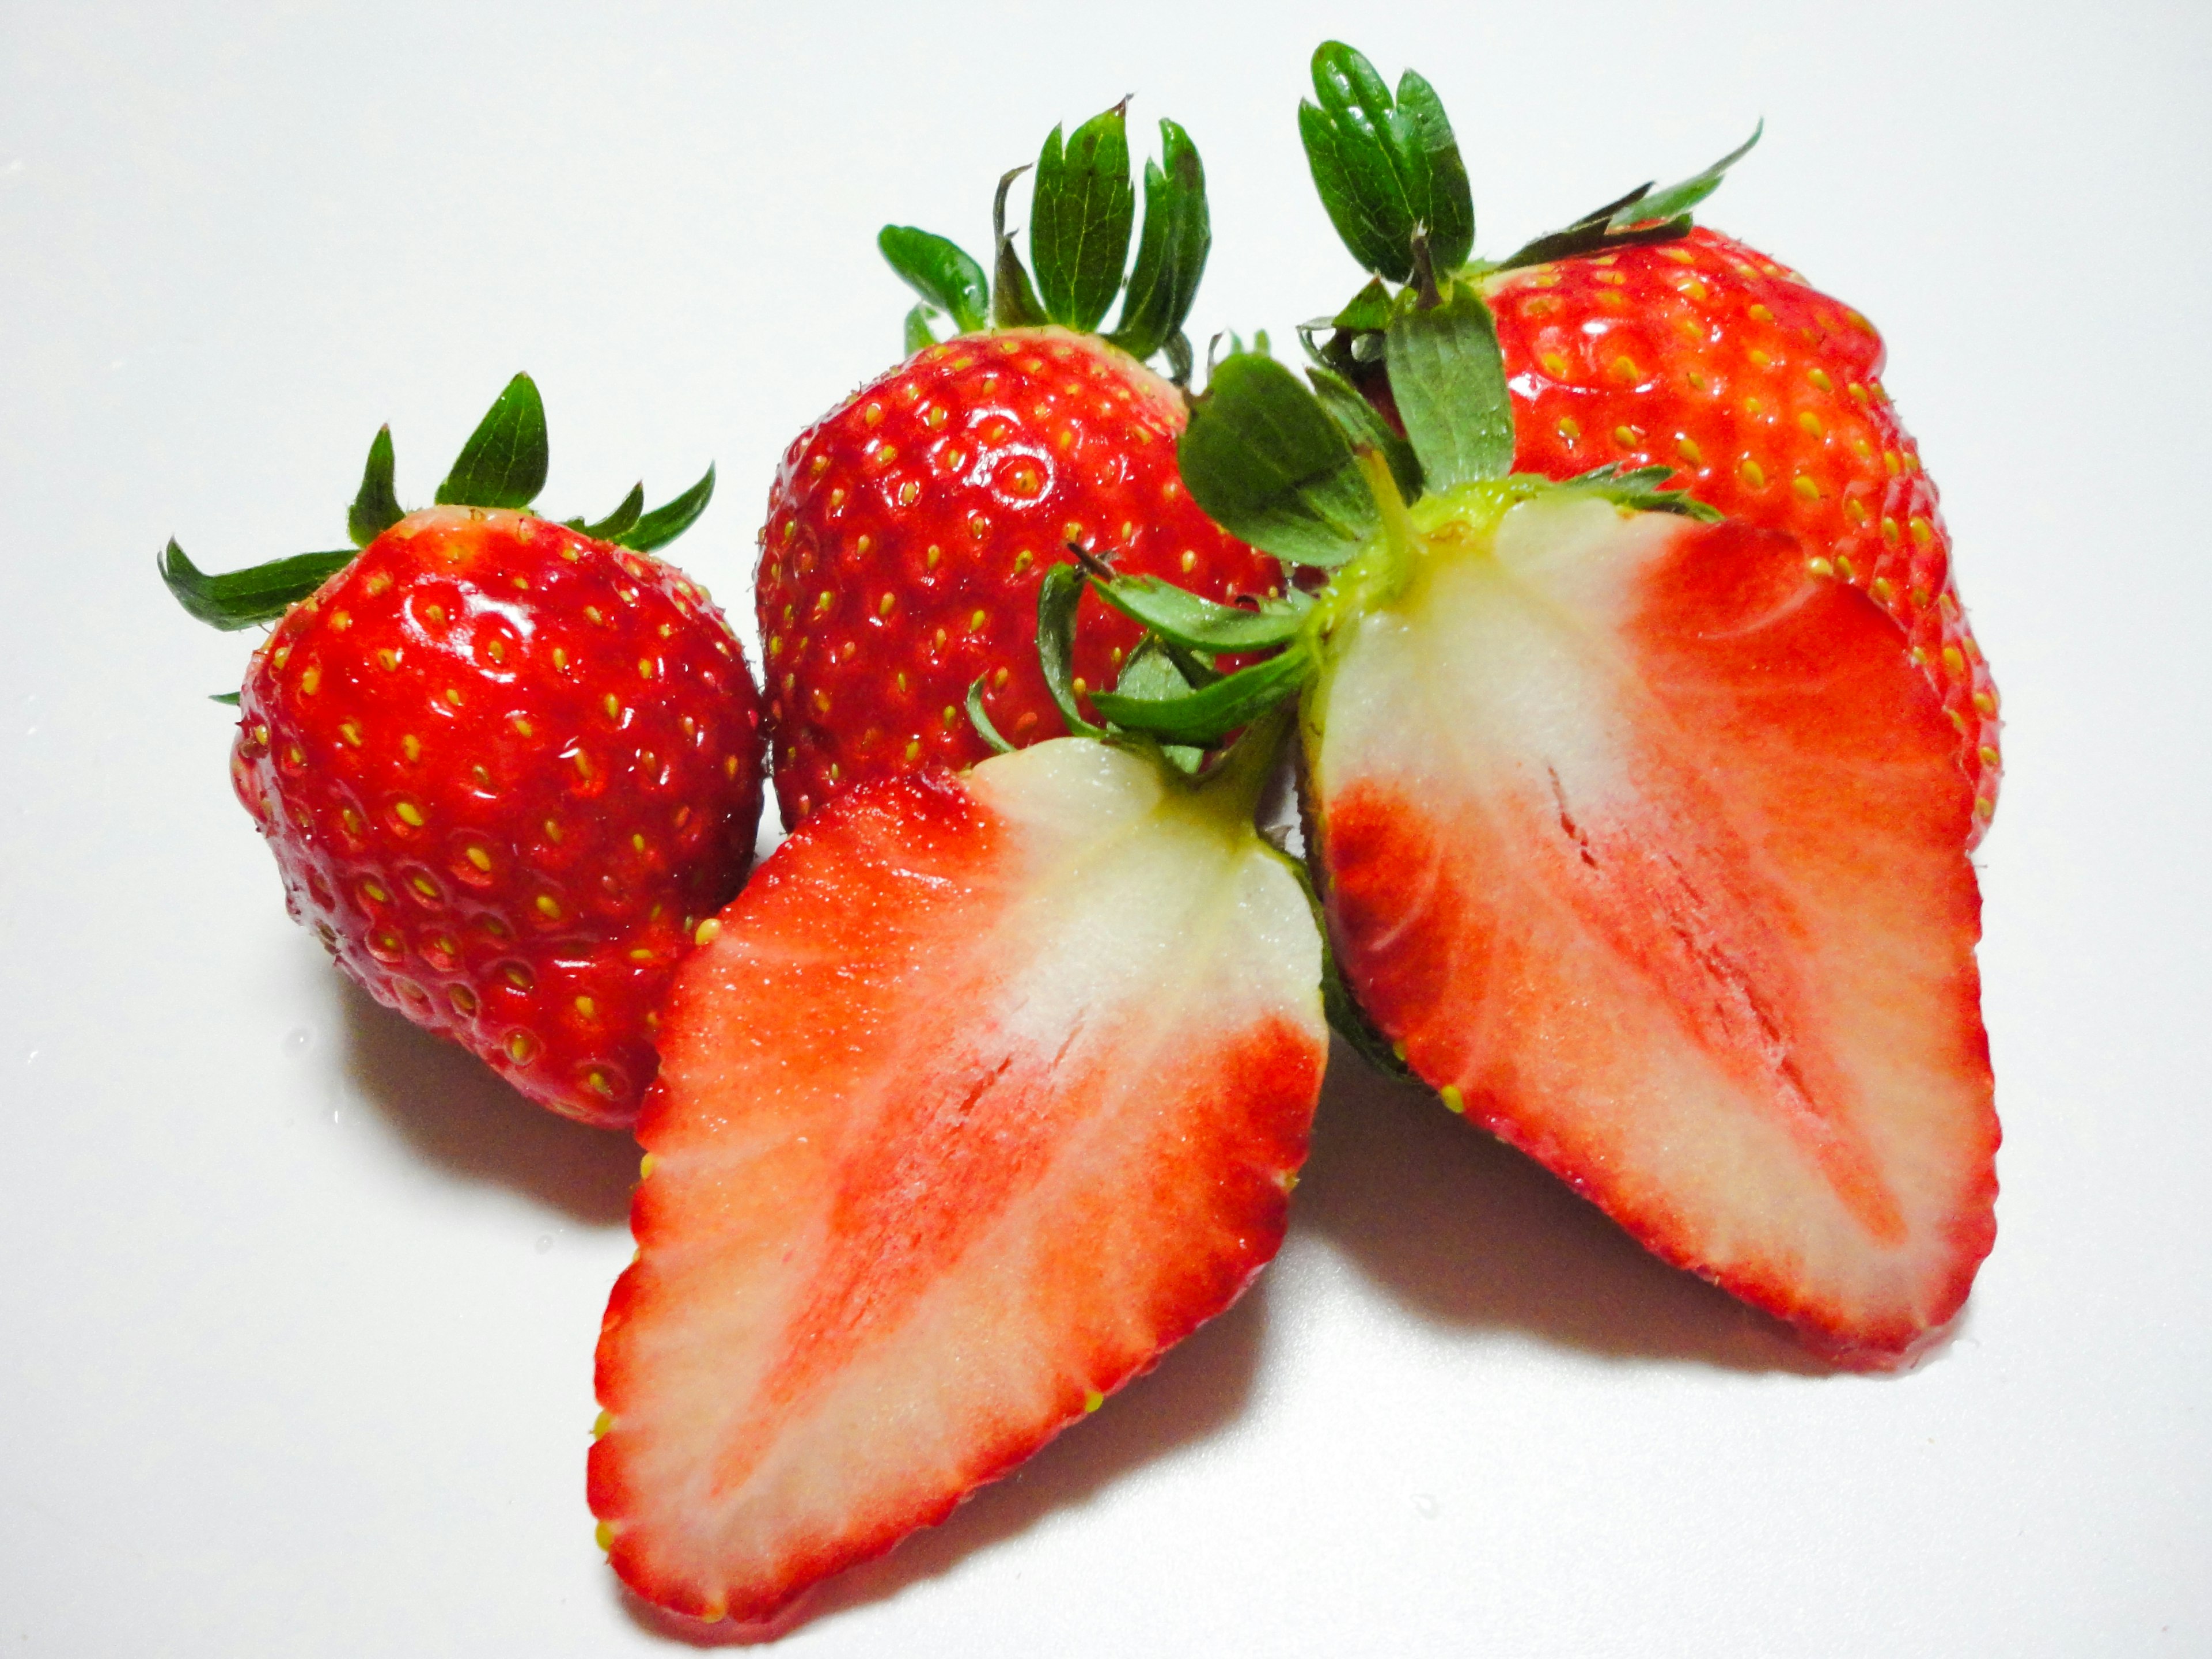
x: 910, y: 529
x: 1631, y: 338
x: 504, y: 764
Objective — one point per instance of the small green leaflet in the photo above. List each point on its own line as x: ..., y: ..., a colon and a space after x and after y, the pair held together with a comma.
x: 1449, y: 379
x: 1451, y: 198
x: 1171, y: 255
x: 503, y: 463
x: 1265, y: 460
x: 1082, y: 211
x: 982, y: 721
x: 1058, y: 595
x: 1210, y: 713
x: 1014, y: 303
x: 240, y: 599
x: 941, y: 272
x: 1150, y: 674
x: 618, y: 522
x: 664, y: 524
x: 1199, y: 624
x: 1641, y: 488
x: 917, y: 335
x: 1363, y: 423
x: 1645, y: 215
x: 376, y: 507
x: 227, y: 699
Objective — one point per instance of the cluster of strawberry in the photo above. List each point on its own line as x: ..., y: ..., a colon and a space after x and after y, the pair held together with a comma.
x: 1640, y: 741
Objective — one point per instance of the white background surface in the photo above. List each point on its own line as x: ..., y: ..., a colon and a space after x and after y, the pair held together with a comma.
x: 297, y: 1307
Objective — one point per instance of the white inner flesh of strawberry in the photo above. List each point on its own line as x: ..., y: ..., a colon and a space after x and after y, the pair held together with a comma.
x: 963, y: 1122
x: 1675, y: 895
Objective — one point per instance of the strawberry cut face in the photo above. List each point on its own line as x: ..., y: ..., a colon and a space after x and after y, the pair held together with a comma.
x: 1645, y: 844
x: 987, y: 1091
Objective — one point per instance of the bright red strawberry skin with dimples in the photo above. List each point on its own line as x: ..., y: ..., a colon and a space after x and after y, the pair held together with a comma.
x: 504, y: 768
x: 1765, y: 396
x: 909, y: 529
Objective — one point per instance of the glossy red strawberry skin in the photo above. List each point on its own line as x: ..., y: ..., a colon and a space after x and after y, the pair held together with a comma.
x: 1766, y: 397
x: 909, y: 529
x: 504, y: 768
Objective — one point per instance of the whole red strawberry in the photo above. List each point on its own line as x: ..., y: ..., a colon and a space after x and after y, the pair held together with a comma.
x: 1631, y: 340
x: 505, y: 764
x: 908, y: 529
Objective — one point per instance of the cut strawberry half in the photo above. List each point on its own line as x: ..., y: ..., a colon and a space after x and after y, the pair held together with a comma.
x: 988, y: 1090
x: 1643, y: 844
x: 1643, y: 836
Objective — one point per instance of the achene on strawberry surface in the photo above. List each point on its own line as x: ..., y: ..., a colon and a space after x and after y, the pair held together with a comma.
x: 909, y: 529
x: 504, y: 764
x: 1632, y: 339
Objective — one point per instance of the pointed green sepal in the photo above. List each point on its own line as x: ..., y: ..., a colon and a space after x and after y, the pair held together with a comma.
x: 227, y: 699
x: 1645, y: 215
x: 1449, y: 379
x: 942, y: 272
x: 1364, y: 425
x: 1199, y: 624
x: 1082, y: 209
x: 1171, y: 255
x: 664, y: 524
x: 1058, y: 595
x: 240, y: 598
x: 1451, y: 198
x: 917, y: 335
x: 978, y: 718
x: 1014, y: 302
x: 1384, y: 167
x: 503, y: 463
x: 1266, y: 462
x: 1643, y: 490
x: 1210, y: 713
x: 376, y: 505
x: 617, y: 523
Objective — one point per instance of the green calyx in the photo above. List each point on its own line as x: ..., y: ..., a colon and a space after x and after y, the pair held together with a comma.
x: 503, y: 464
x: 1391, y: 178
x: 1083, y: 216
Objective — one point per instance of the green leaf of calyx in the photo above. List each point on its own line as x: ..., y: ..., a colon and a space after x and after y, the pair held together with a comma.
x: 1082, y: 209
x: 1199, y: 624
x: 982, y: 721
x: 1171, y: 255
x: 1364, y: 425
x: 617, y: 523
x: 376, y: 507
x: 1014, y: 303
x: 1152, y: 674
x: 941, y: 272
x: 1264, y: 460
x: 240, y: 598
x: 1449, y: 379
x: 1058, y: 595
x: 1451, y: 198
x: 917, y: 335
x: 1369, y: 161
x: 1206, y: 715
x: 1643, y: 215
x: 503, y: 463
x: 227, y: 699
x: 1643, y: 490
x: 664, y: 524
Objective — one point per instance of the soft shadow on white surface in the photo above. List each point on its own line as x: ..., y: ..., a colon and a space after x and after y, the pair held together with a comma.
x: 1197, y: 1389
x: 455, y: 1112
x: 1466, y: 1231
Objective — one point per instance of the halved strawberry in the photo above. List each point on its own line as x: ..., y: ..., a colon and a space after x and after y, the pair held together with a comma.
x: 988, y: 1090
x: 1643, y: 838
x: 1643, y: 843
